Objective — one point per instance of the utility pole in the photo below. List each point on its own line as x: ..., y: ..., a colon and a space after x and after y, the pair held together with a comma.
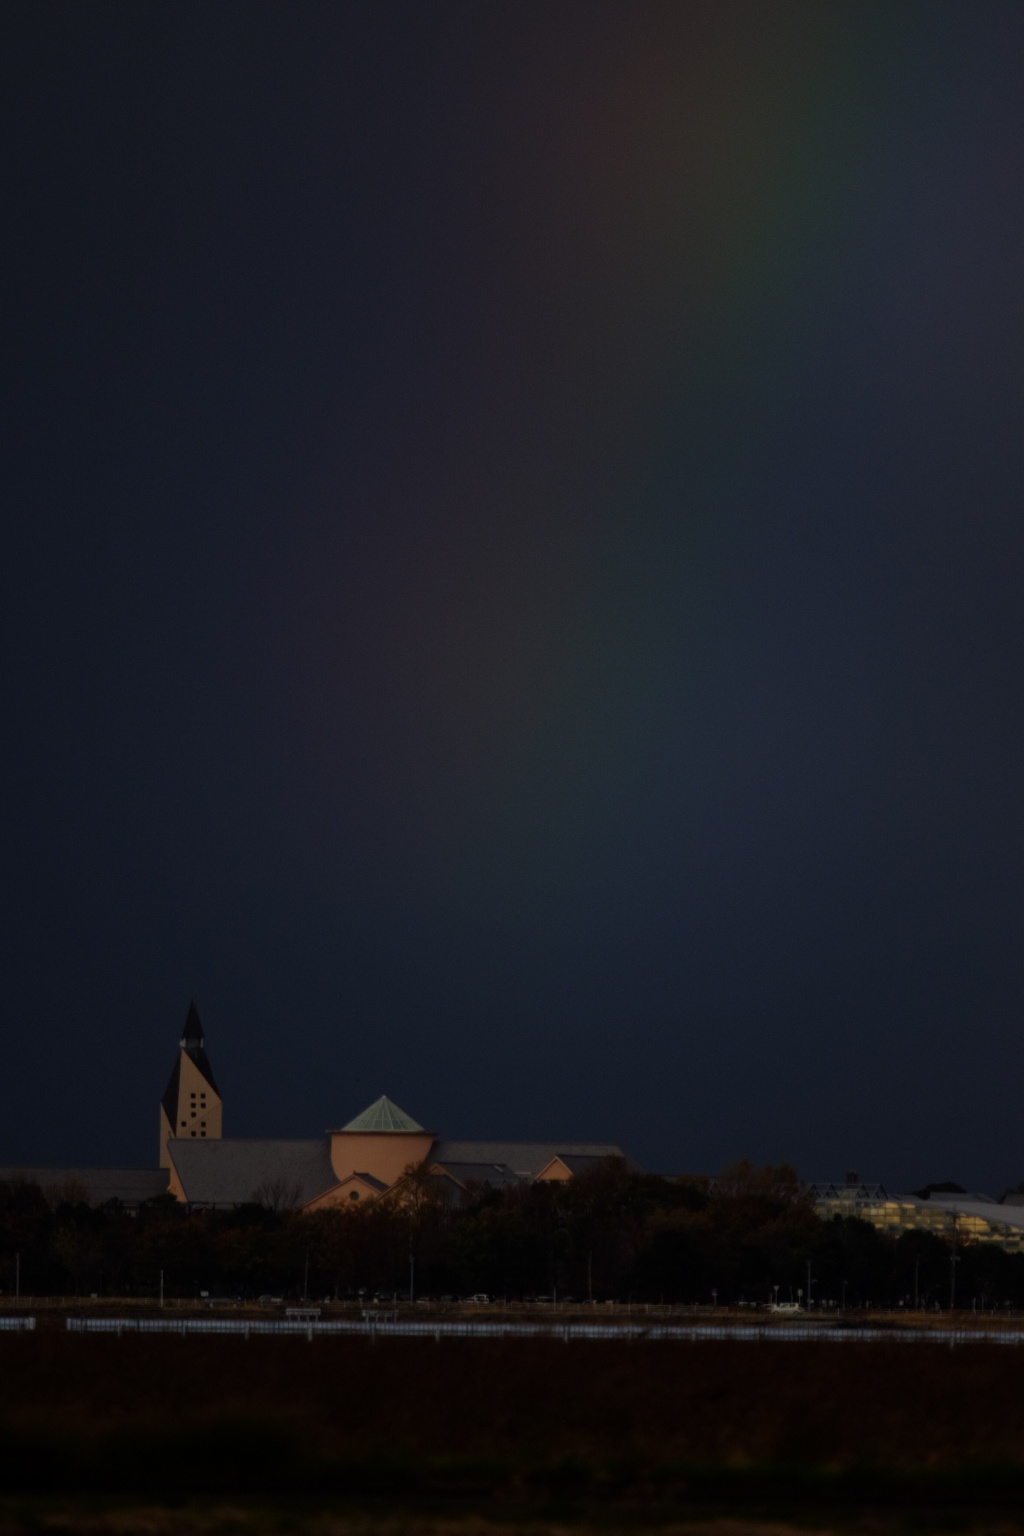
x: 305, y: 1279
x: 952, y: 1267
x: 808, y: 1285
x: 17, y: 1277
x: 917, y: 1265
x: 412, y: 1277
x: 161, y: 1287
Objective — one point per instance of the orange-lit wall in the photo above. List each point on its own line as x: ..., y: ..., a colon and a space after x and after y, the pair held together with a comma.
x: 199, y: 1112
x: 385, y: 1154
x: 174, y: 1186
x: 342, y: 1195
x: 554, y: 1171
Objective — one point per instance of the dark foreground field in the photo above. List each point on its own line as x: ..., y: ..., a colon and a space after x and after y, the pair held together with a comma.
x: 342, y: 1435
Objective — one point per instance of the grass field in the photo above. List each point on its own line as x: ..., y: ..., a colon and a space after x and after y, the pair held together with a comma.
x: 167, y: 1433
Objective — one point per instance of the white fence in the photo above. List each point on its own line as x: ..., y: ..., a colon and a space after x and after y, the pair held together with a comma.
x: 17, y: 1324
x: 424, y: 1329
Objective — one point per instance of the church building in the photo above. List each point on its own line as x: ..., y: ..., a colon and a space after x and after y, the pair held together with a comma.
x: 361, y: 1161
x: 366, y: 1158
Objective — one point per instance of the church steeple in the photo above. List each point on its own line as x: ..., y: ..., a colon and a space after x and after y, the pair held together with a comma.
x: 191, y: 1105
x: 193, y: 1031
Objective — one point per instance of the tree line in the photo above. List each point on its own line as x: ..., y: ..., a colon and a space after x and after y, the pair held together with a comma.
x: 609, y: 1234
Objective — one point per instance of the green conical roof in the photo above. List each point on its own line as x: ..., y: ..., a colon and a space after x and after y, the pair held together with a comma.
x: 383, y: 1116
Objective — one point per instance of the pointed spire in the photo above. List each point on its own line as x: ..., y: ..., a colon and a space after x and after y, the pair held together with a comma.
x: 192, y: 1034
x: 193, y: 1045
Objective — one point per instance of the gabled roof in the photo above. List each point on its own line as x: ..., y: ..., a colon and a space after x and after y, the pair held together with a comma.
x: 331, y: 1198
x: 575, y: 1162
x: 497, y: 1175
x: 371, y: 1179
x: 383, y: 1116
x: 525, y: 1158
x: 237, y: 1172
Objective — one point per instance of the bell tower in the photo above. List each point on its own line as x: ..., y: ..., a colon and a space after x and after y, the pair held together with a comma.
x: 191, y: 1105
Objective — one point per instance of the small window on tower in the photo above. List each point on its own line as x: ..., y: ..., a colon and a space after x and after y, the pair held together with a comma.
x: 193, y: 1133
x: 183, y: 1124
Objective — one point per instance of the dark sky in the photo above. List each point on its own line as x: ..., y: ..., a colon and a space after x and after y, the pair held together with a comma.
x: 512, y: 573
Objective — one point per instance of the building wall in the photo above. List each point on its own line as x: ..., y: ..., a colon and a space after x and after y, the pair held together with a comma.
x: 555, y: 1172
x: 200, y: 1110
x: 350, y: 1194
x: 165, y: 1132
x: 895, y: 1215
x: 175, y: 1186
x: 385, y: 1154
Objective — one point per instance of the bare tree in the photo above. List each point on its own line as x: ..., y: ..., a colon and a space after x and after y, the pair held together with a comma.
x: 277, y: 1195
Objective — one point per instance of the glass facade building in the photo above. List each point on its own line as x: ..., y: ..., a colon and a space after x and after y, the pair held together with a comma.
x: 977, y: 1218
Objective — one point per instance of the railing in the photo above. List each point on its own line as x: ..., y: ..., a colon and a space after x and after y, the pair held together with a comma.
x: 17, y: 1324
x: 683, y: 1333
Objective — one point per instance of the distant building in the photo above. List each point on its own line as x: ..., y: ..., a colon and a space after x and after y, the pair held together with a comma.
x: 977, y: 1217
x: 369, y: 1156
x: 365, y: 1159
